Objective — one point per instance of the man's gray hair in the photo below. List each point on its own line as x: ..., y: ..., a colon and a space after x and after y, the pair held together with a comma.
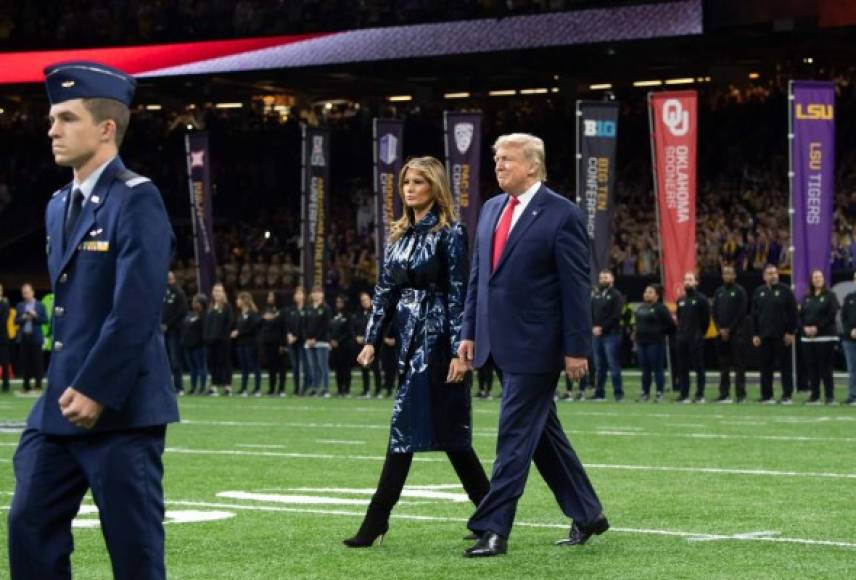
x: 533, y: 149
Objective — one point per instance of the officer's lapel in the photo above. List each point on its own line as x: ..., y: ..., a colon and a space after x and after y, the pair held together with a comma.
x: 55, y: 222
x: 529, y: 215
x: 90, y: 209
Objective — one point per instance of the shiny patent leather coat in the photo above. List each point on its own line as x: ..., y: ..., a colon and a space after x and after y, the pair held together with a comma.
x: 423, y: 284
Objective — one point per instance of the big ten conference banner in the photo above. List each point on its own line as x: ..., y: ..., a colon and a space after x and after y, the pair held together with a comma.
x: 201, y: 210
x: 812, y: 140
x: 463, y: 157
x: 674, y: 135
x: 315, y: 206
x: 597, y: 131
x: 388, y: 150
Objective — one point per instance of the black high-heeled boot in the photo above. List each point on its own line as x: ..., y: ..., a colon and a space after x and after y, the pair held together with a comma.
x: 376, y: 523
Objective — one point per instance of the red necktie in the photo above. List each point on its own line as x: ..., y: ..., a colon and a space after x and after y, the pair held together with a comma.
x: 500, y: 236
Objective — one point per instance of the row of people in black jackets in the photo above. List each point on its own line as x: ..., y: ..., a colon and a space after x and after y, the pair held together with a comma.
x: 306, y: 337
x: 771, y: 324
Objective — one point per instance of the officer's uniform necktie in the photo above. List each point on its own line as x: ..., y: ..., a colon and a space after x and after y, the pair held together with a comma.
x: 73, y: 213
x: 500, y: 236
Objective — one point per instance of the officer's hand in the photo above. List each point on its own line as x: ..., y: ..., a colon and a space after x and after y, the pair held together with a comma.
x: 756, y: 341
x: 79, y: 409
x: 576, y: 368
x: 467, y: 352
x: 366, y: 356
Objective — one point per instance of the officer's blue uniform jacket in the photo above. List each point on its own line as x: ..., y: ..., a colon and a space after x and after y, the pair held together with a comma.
x: 109, y: 279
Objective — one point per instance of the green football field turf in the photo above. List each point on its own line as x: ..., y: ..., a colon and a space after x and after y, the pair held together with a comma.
x: 691, y: 491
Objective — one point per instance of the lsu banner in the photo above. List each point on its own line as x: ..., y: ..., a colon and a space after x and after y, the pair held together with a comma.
x: 812, y: 144
x: 463, y: 158
x: 201, y: 211
x: 388, y: 151
x: 597, y: 131
x: 674, y: 134
x: 315, y: 206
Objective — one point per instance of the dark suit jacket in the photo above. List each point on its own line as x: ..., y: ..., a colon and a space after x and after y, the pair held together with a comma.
x: 535, y: 308
x: 37, y: 337
x: 109, y: 281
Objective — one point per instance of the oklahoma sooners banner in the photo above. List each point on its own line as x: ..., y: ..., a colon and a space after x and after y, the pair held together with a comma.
x: 463, y: 158
x: 388, y: 138
x: 812, y: 144
x: 201, y: 211
x: 674, y: 123
x: 315, y: 206
x: 597, y: 129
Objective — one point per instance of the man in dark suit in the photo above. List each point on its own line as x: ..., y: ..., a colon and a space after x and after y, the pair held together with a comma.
x: 102, y: 421
x: 528, y: 309
x: 174, y: 311
x: 5, y: 358
x: 30, y: 315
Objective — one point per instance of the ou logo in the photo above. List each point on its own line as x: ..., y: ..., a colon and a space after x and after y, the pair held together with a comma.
x: 675, y: 117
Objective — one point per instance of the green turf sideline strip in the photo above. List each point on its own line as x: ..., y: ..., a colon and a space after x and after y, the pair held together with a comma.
x: 709, y: 470
x: 692, y: 536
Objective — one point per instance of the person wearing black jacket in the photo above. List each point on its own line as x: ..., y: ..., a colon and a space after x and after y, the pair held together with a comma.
x: 317, y: 345
x: 360, y: 323
x: 246, y: 335
x: 817, y: 324
x: 607, y: 305
x: 848, y: 342
x: 173, y: 313
x: 693, y: 315
x: 342, y: 347
x: 273, y: 340
x: 193, y: 344
x: 5, y: 359
x: 653, y: 325
x: 730, y: 309
x: 218, y: 326
x: 295, y: 321
x: 774, y: 323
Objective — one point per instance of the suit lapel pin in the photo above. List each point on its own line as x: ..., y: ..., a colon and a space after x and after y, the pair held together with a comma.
x: 96, y: 199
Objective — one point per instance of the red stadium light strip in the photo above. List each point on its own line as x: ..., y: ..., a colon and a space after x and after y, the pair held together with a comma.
x: 27, y: 67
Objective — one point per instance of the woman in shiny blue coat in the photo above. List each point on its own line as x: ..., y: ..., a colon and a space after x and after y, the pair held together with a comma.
x: 423, y: 284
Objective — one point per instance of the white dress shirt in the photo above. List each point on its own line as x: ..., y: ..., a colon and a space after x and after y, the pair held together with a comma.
x: 524, y: 199
x: 90, y: 182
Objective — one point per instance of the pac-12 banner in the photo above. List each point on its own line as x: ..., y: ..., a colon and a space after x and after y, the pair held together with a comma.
x: 674, y: 135
x: 201, y: 211
x: 315, y: 206
x: 812, y: 140
x: 597, y: 131
x: 463, y: 157
x: 388, y: 151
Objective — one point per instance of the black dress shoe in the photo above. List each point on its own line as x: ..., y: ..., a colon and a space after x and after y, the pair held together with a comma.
x: 472, y: 536
x: 579, y: 535
x: 489, y: 544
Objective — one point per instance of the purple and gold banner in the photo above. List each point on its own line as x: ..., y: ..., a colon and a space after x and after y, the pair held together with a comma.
x: 812, y: 139
x: 463, y: 157
x: 597, y: 131
x: 388, y: 150
x: 201, y: 211
x: 315, y: 206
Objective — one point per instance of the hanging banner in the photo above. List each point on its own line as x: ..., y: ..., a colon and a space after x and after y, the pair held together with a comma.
x: 201, y: 210
x: 315, y: 206
x: 463, y: 158
x: 812, y: 145
x: 674, y: 133
x: 388, y: 137
x: 597, y: 132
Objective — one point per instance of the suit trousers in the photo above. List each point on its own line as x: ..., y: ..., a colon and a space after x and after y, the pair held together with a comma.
x: 773, y: 350
x: 529, y: 429
x: 52, y: 473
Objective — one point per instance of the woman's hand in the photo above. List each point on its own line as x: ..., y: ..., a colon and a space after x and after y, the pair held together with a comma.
x: 366, y: 356
x: 457, y: 371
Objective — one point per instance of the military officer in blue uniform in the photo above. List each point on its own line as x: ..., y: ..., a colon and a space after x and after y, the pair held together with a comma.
x: 101, y: 423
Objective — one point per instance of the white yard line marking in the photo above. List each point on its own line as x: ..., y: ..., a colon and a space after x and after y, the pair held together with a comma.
x: 696, y: 536
x: 709, y: 470
x: 339, y: 442
x: 743, y: 536
x: 253, y: 446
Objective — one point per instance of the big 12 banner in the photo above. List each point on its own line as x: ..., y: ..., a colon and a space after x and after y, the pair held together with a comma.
x: 812, y: 140
x: 674, y: 135
x: 388, y: 151
x: 597, y: 131
x: 463, y: 158
x: 201, y: 211
x: 315, y: 206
